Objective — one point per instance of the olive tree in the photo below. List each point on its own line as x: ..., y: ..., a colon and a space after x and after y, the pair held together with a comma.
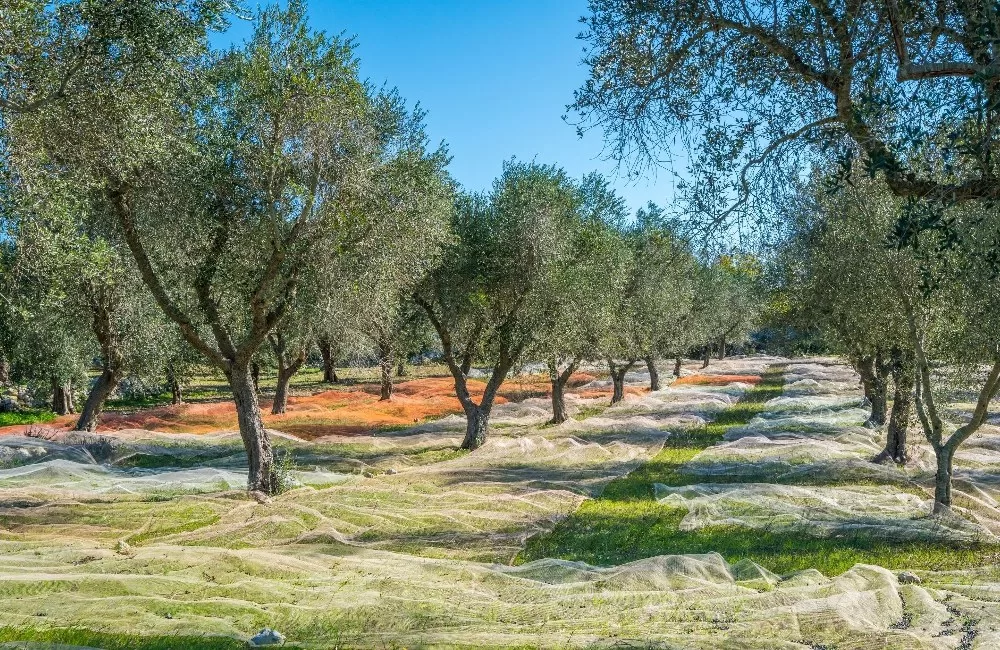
x: 411, y: 190
x: 484, y: 300
x: 575, y: 309
x: 654, y: 294
x: 227, y: 181
x: 65, y: 276
x: 849, y: 282
x: 751, y: 89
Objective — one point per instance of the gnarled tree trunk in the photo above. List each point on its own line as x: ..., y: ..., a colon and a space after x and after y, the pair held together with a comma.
x: 401, y: 367
x: 558, y: 379
x: 942, y: 478
x: 477, y: 415
x: 708, y: 356
x: 262, y: 476
x: 902, y: 368
x: 62, y: 397
x: 677, y: 367
x: 385, y: 362
x: 654, y: 375
x: 875, y: 380
x: 176, y: 393
x: 722, y: 347
x: 329, y: 367
x: 111, y: 374
x: 255, y: 375
x: 618, y: 379
x: 99, y: 393
x: 286, y: 370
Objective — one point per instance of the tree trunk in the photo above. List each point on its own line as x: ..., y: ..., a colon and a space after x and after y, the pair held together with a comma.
x: 654, y: 375
x: 329, y: 369
x: 99, y: 393
x: 708, y: 356
x: 722, y: 347
x: 401, y: 367
x: 902, y: 403
x: 255, y: 375
x: 559, y: 380
x: 618, y: 379
x: 176, y: 394
x: 4, y: 370
x: 874, y: 377
x: 62, y: 397
x: 677, y: 367
x: 942, y: 478
x: 477, y: 425
x: 280, y: 403
x: 286, y: 369
x: 385, y: 362
x: 262, y: 476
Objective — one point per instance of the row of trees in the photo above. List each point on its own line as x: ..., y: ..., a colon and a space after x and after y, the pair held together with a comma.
x: 916, y: 318
x: 168, y: 205
x: 901, y: 267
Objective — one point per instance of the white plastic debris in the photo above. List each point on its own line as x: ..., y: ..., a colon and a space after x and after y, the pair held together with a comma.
x: 267, y: 636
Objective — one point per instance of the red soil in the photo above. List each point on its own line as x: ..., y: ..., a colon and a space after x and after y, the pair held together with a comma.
x: 347, y: 411
x: 353, y: 410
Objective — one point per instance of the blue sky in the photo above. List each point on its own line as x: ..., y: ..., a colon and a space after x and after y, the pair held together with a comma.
x: 495, y: 78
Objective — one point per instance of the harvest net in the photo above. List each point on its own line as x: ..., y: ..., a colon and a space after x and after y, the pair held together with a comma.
x: 398, y: 539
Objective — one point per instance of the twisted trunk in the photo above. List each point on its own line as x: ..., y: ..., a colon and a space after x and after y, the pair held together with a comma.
x: 942, y: 478
x: 559, y: 380
x: 262, y: 476
x: 62, y: 397
x: 722, y: 347
x: 385, y: 362
x: 874, y: 378
x: 902, y: 368
x: 329, y: 369
x: 286, y: 370
x: 102, y: 304
x: 255, y: 375
x: 677, y: 367
x: 708, y: 356
x: 618, y: 379
x: 654, y: 375
x: 99, y: 393
x: 176, y: 394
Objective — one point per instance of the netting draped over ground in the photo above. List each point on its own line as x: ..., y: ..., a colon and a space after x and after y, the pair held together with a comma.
x: 397, y: 538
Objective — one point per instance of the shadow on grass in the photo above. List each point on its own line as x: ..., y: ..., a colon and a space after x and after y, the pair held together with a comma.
x: 87, y: 638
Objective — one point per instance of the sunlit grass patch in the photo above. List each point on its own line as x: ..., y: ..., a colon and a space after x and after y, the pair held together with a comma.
x: 626, y: 523
x: 32, y: 416
x: 607, y: 533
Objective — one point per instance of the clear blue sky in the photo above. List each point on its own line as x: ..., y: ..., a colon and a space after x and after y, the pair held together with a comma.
x: 494, y: 76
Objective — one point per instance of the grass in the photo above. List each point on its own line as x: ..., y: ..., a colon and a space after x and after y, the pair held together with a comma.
x: 88, y: 638
x: 626, y: 523
x: 33, y: 416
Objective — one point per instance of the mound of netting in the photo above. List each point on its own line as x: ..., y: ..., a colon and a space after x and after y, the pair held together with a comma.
x: 408, y: 490
x: 804, y: 465
x: 318, y: 594
x: 879, y: 511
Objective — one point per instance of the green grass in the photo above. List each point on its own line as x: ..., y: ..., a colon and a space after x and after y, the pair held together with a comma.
x: 626, y: 523
x: 34, y: 416
x: 88, y: 638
